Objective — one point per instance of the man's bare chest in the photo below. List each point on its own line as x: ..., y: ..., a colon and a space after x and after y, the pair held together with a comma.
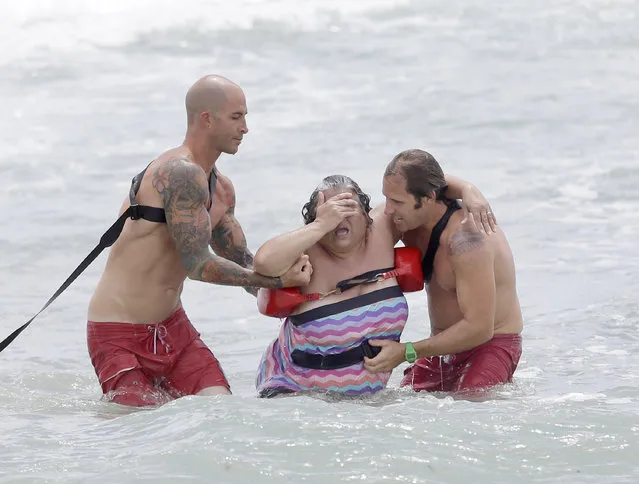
x: 443, y: 273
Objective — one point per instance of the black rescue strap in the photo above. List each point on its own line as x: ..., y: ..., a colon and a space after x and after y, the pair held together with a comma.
x: 338, y: 360
x: 433, y: 243
x: 365, y: 278
x: 135, y: 211
x: 349, y: 357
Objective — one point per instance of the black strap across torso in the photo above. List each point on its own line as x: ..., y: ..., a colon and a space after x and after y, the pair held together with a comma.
x: 364, y: 278
x: 433, y: 243
x: 135, y: 212
x: 335, y: 361
x: 156, y: 214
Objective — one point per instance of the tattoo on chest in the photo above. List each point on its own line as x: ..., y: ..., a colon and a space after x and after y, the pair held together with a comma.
x: 462, y: 242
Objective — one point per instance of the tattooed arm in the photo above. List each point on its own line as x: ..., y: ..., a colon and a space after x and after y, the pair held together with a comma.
x: 228, y: 241
x: 184, y: 189
x: 472, y: 261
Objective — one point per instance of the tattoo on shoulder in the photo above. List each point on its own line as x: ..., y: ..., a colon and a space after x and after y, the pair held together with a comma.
x: 183, y: 187
x: 180, y: 178
x: 462, y: 242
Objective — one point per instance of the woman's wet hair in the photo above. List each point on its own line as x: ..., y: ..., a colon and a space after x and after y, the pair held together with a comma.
x: 309, y: 210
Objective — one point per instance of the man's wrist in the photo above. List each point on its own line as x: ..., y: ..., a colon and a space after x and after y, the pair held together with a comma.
x: 410, y: 355
x: 267, y: 282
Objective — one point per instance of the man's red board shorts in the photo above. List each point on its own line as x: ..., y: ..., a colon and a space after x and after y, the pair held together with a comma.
x: 481, y: 367
x: 150, y: 364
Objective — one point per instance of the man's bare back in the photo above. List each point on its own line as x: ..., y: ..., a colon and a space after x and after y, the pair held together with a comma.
x: 443, y: 305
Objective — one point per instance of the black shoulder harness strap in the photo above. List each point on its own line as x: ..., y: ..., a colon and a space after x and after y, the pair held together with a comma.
x: 433, y: 243
x: 152, y: 214
x: 135, y: 212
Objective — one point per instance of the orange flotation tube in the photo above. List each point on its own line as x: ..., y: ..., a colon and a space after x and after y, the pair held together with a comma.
x: 280, y: 303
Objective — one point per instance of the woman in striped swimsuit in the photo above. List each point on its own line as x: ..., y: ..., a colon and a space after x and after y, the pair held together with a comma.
x: 321, y: 345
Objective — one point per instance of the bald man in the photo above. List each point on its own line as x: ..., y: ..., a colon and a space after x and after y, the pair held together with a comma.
x: 142, y: 345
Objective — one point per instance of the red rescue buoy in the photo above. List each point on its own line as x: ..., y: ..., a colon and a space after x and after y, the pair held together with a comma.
x: 280, y: 303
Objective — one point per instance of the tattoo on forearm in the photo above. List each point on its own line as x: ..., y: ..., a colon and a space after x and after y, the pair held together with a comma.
x: 223, y: 271
x: 462, y: 242
x: 221, y: 238
x: 228, y: 241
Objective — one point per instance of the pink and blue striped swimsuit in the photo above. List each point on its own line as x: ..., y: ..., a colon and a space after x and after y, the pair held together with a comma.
x: 322, y: 348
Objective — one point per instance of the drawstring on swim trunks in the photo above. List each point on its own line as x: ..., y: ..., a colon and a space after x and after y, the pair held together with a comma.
x: 159, y: 332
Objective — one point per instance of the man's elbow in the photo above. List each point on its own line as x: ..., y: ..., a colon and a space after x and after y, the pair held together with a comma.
x: 487, y: 335
x: 195, y: 275
x: 485, y: 330
x: 195, y: 269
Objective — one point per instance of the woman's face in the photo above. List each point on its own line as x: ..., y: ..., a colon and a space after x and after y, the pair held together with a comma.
x: 351, y: 231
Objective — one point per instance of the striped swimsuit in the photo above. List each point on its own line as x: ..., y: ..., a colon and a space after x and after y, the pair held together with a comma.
x: 321, y: 336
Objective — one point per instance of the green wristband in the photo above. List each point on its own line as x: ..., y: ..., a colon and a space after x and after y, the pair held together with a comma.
x: 410, y: 354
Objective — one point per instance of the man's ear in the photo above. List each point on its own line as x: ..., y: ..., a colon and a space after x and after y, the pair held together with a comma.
x: 434, y: 195
x: 205, y: 116
x: 429, y: 198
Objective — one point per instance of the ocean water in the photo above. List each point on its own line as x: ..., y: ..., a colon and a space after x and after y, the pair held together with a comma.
x: 537, y: 104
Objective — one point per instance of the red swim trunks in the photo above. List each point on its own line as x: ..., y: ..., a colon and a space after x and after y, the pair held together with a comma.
x: 150, y: 364
x: 484, y: 366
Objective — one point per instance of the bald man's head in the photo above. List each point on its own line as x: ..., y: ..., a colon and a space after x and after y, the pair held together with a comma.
x: 210, y: 94
x: 216, y: 114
